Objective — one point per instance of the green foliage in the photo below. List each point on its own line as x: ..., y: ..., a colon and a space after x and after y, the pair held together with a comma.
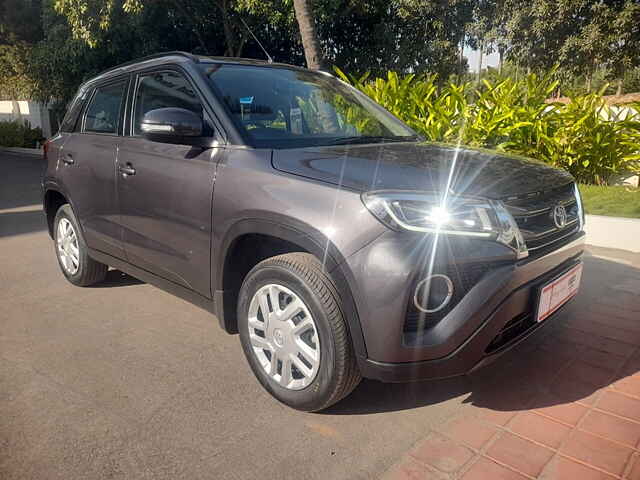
x: 586, y: 38
x: 15, y: 133
x: 88, y: 17
x: 20, y: 21
x: 591, y: 147
x: 601, y: 80
x: 511, y: 116
x: 15, y: 81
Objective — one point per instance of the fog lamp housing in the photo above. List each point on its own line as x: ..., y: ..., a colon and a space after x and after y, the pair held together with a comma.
x: 433, y: 293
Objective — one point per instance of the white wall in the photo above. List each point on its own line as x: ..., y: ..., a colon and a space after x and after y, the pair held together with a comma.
x: 34, y: 112
x: 613, y: 232
x: 619, y: 112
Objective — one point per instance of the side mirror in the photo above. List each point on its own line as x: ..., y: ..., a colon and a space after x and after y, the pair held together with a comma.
x: 172, y: 125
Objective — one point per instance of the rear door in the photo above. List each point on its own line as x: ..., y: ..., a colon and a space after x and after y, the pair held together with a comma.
x: 165, y: 199
x: 88, y: 166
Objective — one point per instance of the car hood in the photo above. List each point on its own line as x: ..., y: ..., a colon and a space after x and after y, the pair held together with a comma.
x: 421, y: 166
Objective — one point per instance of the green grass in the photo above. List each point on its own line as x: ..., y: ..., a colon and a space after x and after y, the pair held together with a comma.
x: 612, y: 201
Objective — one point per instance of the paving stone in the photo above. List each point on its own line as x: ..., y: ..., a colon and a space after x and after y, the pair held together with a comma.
x: 568, y: 413
x: 470, y: 431
x: 634, y: 472
x: 442, y: 453
x: 619, y: 404
x: 608, y: 456
x: 540, y: 429
x: 410, y: 469
x: 522, y: 455
x: 485, y: 469
x: 612, y: 428
x: 629, y: 385
x: 562, y: 468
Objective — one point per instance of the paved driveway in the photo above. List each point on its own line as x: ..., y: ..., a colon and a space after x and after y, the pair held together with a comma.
x: 126, y: 381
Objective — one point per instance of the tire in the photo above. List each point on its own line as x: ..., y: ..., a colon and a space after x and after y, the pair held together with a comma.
x: 88, y: 271
x: 337, y: 374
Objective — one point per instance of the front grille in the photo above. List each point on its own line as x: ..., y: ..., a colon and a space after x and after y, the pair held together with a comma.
x: 534, y: 214
x: 463, y: 277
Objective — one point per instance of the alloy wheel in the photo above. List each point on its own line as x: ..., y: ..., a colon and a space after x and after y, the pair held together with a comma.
x: 67, y: 244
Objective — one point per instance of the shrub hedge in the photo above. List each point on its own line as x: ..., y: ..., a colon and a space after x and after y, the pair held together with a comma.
x: 14, y: 133
x: 513, y: 116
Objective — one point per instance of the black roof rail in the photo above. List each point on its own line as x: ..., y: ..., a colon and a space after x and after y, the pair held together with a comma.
x: 190, y: 56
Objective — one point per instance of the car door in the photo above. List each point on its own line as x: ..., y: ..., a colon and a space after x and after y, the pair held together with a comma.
x: 87, y: 166
x: 165, y: 190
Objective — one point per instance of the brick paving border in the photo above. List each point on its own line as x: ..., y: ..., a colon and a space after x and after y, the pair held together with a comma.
x: 566, y: 407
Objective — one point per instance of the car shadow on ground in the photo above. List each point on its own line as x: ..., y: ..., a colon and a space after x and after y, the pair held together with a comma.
x: 20, y: 180
x: 21, y: 222
x: 592, y: 343
x: 116, y: 278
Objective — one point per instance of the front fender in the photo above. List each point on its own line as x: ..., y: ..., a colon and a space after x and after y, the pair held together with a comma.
x: 308, y: 238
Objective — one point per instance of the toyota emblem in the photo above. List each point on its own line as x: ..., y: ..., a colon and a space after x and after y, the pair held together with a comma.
x: 560, y: 216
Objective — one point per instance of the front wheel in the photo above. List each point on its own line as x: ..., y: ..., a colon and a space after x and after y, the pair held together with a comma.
x: 294, y: 334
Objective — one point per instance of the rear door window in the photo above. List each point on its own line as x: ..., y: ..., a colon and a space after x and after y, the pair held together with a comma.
x: 104, y: 112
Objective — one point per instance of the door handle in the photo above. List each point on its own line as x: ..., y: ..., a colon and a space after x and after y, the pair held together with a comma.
x: 68, y: 159
x: 126, y: 170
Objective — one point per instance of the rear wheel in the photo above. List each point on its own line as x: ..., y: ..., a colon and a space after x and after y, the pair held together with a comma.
x: 293, y: 332
x: 72, y: 252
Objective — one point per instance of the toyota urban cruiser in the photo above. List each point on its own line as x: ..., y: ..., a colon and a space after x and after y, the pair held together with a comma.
x: 331, y: 236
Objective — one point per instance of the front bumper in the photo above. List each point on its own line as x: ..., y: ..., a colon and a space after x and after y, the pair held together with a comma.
x: 472, y: 334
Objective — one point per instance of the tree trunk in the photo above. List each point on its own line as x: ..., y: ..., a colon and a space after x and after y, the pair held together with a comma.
x: 229, y: 37
x: 194, y: 27
x: 15, y: 109
x: 240, y: 47
x: 592, y: 67
x: 462, y: 54
x: 480, y: 62
x: 310, y: 42
x: 619, y: 89
x: 501, y: 54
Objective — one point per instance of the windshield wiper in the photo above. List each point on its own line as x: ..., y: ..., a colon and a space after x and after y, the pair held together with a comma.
x: 371, y: 139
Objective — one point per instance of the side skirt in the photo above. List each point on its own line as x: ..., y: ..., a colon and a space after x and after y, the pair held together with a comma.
x: 148, y: 277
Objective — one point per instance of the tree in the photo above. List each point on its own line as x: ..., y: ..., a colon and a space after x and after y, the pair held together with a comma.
x: 487, y: 29
x: 89, y: 20
x: 615, y: 31
x: 66, y: 55
x: 310, y: 42
x: 20, y: 28
x: 423, y: 36
x: 581, y: 36
x: 15, y: 81
x: 20, y: 21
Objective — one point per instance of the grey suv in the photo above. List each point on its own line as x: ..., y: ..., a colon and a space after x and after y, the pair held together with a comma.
x: 307, y: 218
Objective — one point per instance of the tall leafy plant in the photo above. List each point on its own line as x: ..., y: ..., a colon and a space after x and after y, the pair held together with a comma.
x: 593, y: 148
x: 513, y: 116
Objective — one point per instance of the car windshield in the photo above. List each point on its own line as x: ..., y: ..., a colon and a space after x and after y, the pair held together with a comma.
x: 279, y: 107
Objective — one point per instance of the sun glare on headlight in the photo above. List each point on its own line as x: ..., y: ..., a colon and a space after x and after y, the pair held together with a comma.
x: 438, y: 216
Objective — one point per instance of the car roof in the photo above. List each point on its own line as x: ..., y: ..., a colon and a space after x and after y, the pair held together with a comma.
x: 179, y: 57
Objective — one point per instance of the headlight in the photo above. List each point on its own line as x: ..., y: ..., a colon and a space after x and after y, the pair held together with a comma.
x: 431, y: 213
